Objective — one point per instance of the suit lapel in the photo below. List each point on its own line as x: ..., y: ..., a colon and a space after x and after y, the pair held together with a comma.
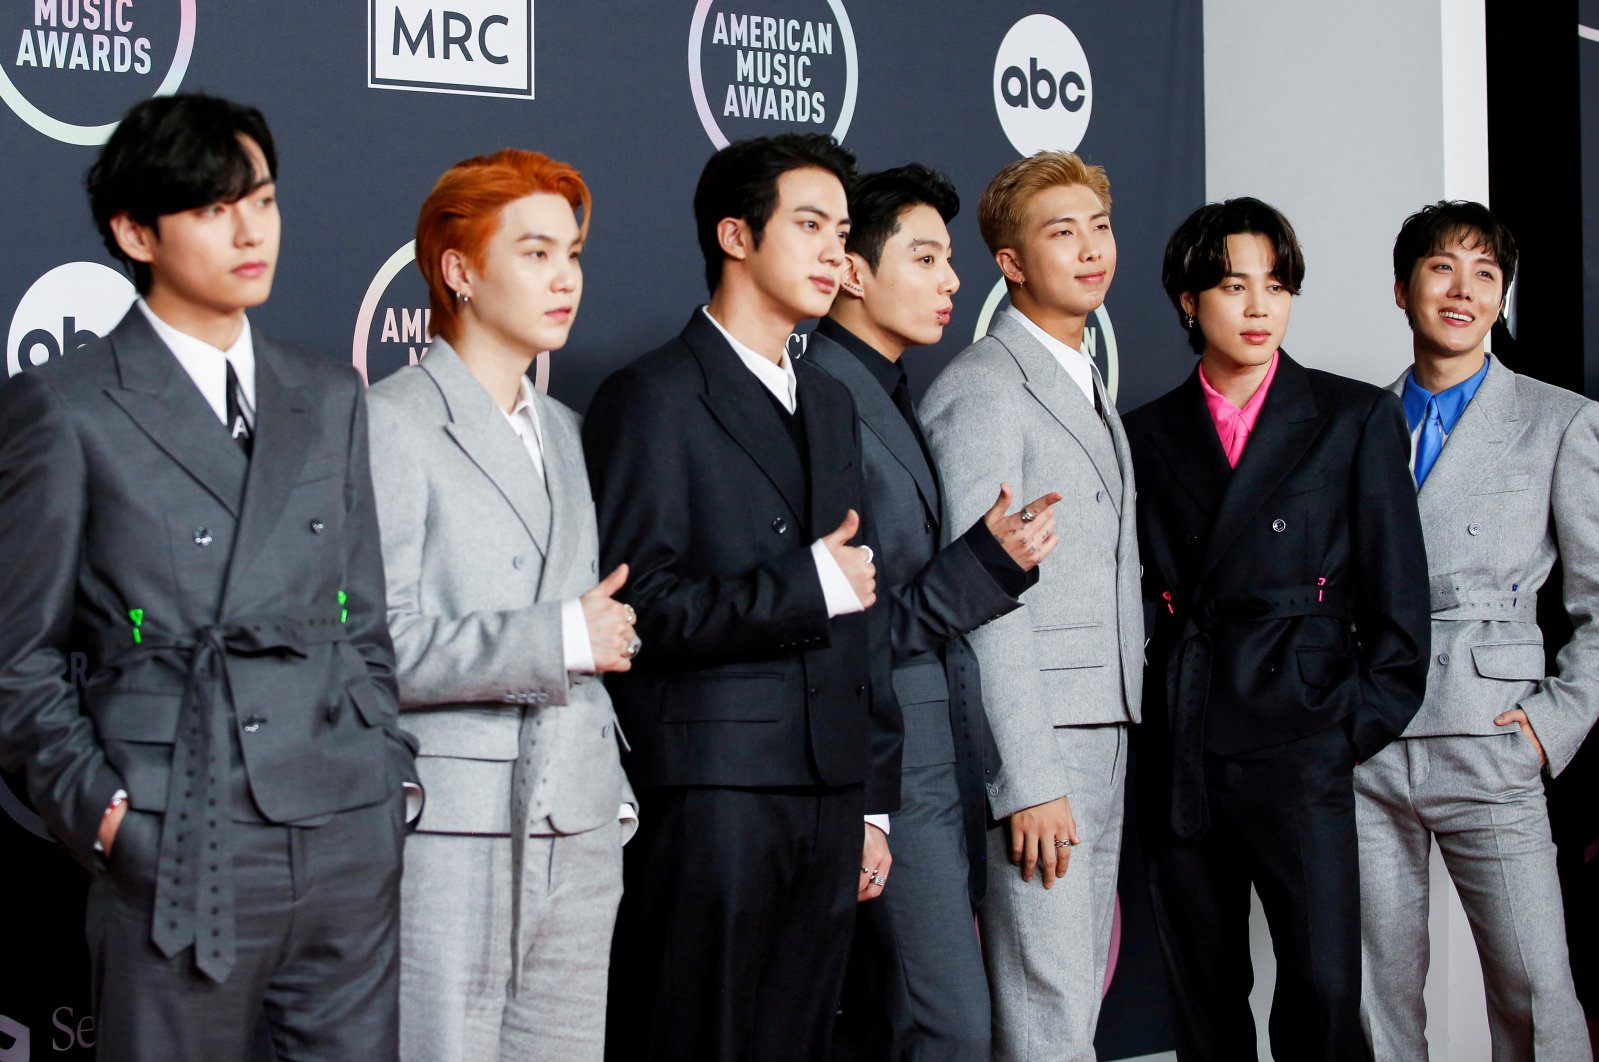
x: 878, y: 412
x: 478, y: 427
x: 1189, y: 444
x: 1289, y: 422
x: 283, y: 432
x: 564, y: 479
x: 158, y: 395
x: 743, y: 407
x: 1488, y: 427
x: 829, y: 436
x: 1059, y: 395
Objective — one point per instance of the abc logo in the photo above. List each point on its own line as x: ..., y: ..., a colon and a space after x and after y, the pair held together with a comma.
x: 1043, y: 91
x: 64, y: 309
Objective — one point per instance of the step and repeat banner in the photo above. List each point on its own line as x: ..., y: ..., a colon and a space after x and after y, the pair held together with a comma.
x: 370, y: 100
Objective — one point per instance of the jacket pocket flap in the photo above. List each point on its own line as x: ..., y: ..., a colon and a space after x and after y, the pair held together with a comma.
x: 376, y: 709
x: 1518, y: 661
x: 735, y: 697
x: 1308, y: 481
x: 1070, y: 646
x: 1503, y: 484
x: 133, y: 715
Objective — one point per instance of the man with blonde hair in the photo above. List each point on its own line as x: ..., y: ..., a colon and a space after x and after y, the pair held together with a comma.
x: 1061, y: 675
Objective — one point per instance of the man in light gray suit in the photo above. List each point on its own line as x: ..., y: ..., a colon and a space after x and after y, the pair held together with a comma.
x: 916, y: 988
x: 1511, y: 492
x: 1062, y: 675
x: 489, y: 543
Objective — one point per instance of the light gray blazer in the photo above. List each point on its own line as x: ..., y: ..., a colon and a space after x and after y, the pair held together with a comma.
x: 1514, y: 487
x: 479, y: 555
x: 1005, y: 411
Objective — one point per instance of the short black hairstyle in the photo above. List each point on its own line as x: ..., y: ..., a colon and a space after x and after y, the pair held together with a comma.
x: 1449, y: 222
x: 170, y: 154
x: 1196, y: 254
x: 880, y: 198
x: 740, y: 181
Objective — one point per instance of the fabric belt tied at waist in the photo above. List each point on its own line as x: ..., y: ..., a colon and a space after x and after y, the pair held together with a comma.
x: 1452, y: 603
x: 194, y: 881
x: 1188, y: 685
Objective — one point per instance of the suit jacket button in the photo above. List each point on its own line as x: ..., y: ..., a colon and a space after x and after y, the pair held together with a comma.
x: 202, y: 536
x: 605, y: 731
x: 860, y: 690
x: 518, y: 561
x: 1279, y: 525
x: 1443, y: 658
x: 1099, y: 495
x: 780, y: 525
x: 317, y: 526
x: 928, y: 527
x: 1193, y: 540
x: 252, y: 723
x: 1268, y: 669
x: 814, y: 691
x: 1474, y: 529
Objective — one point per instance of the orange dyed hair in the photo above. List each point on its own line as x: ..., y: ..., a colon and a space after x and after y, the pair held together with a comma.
x: 462, y: 213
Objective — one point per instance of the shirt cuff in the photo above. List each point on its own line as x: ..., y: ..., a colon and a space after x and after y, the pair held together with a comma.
x: 414, y: 797
x: 575, y: 644
x: 880, y: 821
x: 1005, y: 572
x: 836, y: 591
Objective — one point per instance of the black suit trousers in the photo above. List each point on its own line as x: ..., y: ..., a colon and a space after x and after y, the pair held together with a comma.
x: 1283, y: 820
x: 735, y: 924
x: 318, y: 947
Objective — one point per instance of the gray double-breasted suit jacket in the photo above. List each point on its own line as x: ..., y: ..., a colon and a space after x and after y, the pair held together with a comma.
x: 479, y: 555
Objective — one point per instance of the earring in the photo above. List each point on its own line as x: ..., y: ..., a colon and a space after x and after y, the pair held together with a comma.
x: 462, y: 297
x: 1188, y: 321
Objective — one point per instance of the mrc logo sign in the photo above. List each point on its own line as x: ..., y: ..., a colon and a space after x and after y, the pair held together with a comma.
x: 472, y: 47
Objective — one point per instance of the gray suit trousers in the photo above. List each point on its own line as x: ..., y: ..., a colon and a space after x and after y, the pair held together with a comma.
x: 1482, y: 797
x: 455, y: 970
x: 1046, y: 951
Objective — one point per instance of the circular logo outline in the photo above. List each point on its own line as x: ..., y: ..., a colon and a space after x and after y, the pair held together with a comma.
x: 1010, y: 124
x: 101, y: 274
x: 696, y: 76
x: 369, y: 308
x: 93, y: 135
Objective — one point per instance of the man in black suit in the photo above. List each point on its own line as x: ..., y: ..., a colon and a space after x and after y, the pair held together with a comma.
x: 189, y: 502
x: 1283, y: 557
x: 917, y: 988
x: 729, y: 478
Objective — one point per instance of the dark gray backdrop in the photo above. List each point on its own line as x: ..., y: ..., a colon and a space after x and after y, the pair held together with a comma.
x: 612, y: 95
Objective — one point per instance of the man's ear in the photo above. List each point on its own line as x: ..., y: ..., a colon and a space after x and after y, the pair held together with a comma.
x: 1010, y: 265
x: 1189, y: 303
x: 457, y: 274
x: 1402, y: 296
x: 733, y: 236
x: 137, y: 241
x: 855, y: 270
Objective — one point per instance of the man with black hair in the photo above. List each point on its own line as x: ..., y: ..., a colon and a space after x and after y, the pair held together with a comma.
x: 729, y: 478
x: 189, y: 502
x: 917, y: 988
x: 1506, y: 469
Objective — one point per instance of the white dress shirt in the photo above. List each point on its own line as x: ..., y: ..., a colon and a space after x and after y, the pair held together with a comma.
x: 576, y: 648
x: 207, y: 365
x: 778, y: 378
x: 1075, y: 362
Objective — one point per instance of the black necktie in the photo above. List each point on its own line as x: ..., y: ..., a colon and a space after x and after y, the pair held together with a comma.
x: 238, y: 421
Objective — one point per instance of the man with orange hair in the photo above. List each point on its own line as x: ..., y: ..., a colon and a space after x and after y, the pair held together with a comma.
x: 514, y: 874
x: 1061, y: 675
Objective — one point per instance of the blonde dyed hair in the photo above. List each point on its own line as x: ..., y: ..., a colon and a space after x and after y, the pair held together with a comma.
x: 1002, y: 212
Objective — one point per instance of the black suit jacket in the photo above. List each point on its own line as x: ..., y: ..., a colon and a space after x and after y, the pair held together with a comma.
x: 933, y: 595
x: 743, y: 680
x: 120, y: 490
x: 1297, y: 581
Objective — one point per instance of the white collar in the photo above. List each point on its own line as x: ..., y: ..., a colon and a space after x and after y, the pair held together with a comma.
x: 779, y: 379
x: 205, y: 363
x: 1074, y: 361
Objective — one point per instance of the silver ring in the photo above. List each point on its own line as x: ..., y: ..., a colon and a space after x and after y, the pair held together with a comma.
x: 1063, y: 843
x: 634, y: 646
x: 1028, y: 516
x: 879, y: 880
x: 869, y: 553
x: 632, y: 617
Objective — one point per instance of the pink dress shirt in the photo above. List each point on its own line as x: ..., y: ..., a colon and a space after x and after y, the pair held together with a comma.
x: 1233, y: 424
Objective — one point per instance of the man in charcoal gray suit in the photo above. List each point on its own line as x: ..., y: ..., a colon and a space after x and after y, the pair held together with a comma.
x: 917, y: 988
x: 1506, y: 470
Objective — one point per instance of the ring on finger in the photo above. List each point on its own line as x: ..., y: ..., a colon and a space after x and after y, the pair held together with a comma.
x: 879, y: 880
x: 632, y: 617
x: 634, y: 646
x: 1028, y: 516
